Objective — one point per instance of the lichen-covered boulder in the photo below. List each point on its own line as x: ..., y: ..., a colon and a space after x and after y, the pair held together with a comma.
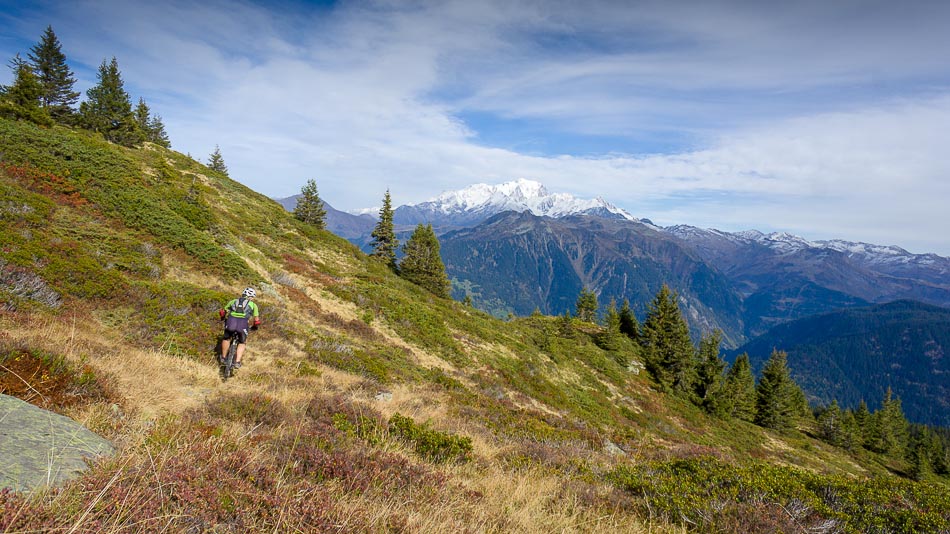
x: 39, y: 447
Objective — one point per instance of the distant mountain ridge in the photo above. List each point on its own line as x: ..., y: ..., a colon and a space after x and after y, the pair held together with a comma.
x: 786, y: 243
x: 783, y: 277
x: 341, y: 223
x: 775, y: 278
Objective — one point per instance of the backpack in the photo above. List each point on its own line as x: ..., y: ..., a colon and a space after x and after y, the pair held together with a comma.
x: 238, y: 314
x: 240, y: 308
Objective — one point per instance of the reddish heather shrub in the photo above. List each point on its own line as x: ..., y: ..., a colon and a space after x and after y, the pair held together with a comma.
x: 49, y: 380
x: 17, y: 514
x: 250, y: 408
x: 62, y: 190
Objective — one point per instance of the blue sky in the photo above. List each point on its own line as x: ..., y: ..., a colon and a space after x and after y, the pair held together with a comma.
x: 824, y: 119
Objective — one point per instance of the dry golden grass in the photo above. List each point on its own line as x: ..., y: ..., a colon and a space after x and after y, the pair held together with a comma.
x: 496, y: 501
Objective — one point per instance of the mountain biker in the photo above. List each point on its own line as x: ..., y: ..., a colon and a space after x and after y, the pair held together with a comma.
x: 238, y: 315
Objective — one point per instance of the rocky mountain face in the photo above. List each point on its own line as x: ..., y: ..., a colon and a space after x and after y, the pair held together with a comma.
x: 856, y: 354
x: 518, y: 262
x: 782, y: 277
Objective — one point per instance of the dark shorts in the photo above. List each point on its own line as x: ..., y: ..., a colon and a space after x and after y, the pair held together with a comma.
x: 242, y: 335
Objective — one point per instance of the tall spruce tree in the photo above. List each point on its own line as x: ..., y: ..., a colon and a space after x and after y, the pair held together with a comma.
x: 108, y: 110
x: 22, y: 99
x: 216, y: 161
x: 309, y: 207
x: 831, y: 424
x: 850, y: 435
x: 628, y: 322
x: 586, y: 305
x: 609, y: 339
x: 776, y: 403
x: 384, y: 241
x: 921, y: 455
x: 939, y: 454
x: 57, y: 80
x: 156, y: 132
x: 422, y: 263
x: 150, y: 125
x: 739, y: 390
x: 668, y: 352
x: 142, y: 114
x: 893, y: 426
x: 709, y: 377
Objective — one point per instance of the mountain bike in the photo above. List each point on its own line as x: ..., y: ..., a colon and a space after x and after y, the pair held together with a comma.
x: 227, y: 366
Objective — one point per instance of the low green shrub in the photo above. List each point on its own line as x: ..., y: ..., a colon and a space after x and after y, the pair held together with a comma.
x: 249, y: 408
x: 430, y: 443
x: 707, y: 494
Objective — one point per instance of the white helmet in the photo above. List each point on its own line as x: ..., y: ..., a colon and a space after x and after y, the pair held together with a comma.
x: 249, y: 293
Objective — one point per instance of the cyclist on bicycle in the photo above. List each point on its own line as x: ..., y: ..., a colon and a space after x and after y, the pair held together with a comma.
x: 238, y: 315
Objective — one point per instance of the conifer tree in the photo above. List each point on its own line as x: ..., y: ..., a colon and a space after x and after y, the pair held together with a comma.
x: 22, y: 99
x: 709, y: 378
x: 565, y: 325
x: 609, y: 339
x: 422, y: 263
x: 920, y: 456
x: 776, y: 405
x: 739, y: 390
x: 628, y: 322
x: 831, y: 424
x: 57, y: 80
x: 216, y: 161
x: 800, y: 402
x: 309, y: 207
x: 156, y: 132
x: 586, y: 305
x: 108, y: 110
x: 850, y: 438
x: 893, y: 426
x: 862, y: 421
x: 668, y: 352
x: 142, y: 115
x: 940, y: 455
x: 384, y: 241
x: 151, y: 125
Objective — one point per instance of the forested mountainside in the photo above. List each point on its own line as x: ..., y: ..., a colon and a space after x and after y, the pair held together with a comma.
x: 855, y: 355
x: 519, y: 262
x: 366, y: 403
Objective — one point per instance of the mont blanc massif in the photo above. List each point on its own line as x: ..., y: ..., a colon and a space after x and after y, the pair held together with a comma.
x: 833, y: 305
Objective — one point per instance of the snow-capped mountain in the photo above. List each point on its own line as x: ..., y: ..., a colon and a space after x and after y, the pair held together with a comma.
x: 786, y: 243
x: 782, y: 275
x: 478, y: 202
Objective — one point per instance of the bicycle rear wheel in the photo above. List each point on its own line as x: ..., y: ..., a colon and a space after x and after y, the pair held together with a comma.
x: 228, y: 370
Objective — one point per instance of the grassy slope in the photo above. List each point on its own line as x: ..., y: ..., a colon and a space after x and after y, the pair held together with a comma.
x: 114, y: 262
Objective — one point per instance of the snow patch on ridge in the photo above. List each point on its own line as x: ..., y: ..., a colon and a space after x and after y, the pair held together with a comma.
x: 786, y: 243
x: 519, y: 195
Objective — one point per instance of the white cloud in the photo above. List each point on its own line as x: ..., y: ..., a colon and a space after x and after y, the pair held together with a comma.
x: 821, y: 118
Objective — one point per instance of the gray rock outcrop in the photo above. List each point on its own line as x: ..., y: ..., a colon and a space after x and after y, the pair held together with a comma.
x: 39, y: 447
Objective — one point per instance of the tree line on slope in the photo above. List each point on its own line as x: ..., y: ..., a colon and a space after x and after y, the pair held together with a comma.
x: 422, y: 262
x: 43, y: 92
x: 699, y: 375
